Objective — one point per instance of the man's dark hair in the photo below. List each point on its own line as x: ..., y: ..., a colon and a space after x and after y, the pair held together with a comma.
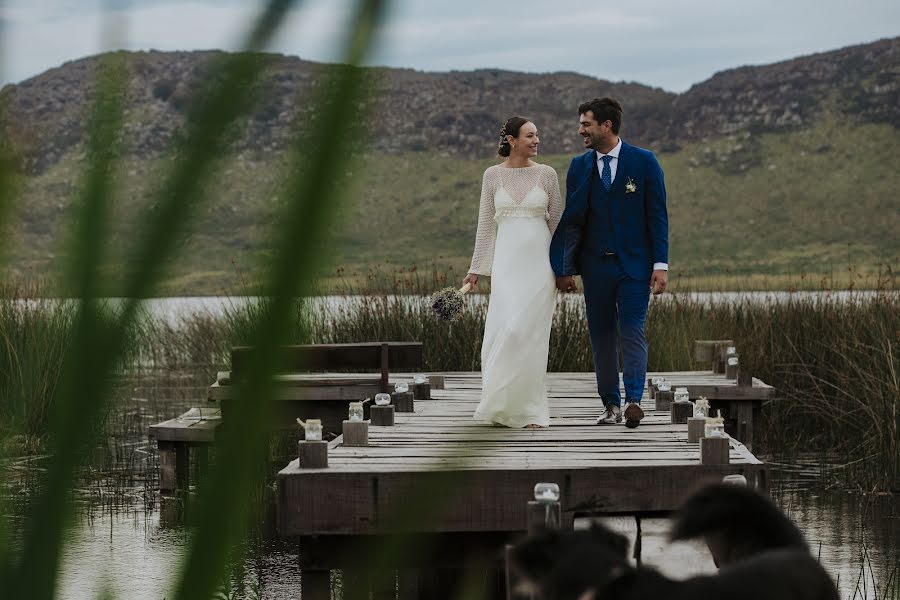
x: 604, y: 109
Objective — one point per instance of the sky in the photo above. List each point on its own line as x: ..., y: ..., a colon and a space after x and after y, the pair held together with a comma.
x: 671, y: 44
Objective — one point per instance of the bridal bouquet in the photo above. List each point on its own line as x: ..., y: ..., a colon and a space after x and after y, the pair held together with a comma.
x: 448, y: 302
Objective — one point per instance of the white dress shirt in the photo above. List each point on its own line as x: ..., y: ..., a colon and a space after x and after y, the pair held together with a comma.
x: 613, y: 165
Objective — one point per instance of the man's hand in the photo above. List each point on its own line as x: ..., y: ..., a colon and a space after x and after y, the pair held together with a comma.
x: 658, y: 281
x: 471, y: 278
x: 566, y: 283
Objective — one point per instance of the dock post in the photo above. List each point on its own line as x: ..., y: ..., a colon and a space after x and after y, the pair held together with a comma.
x: 403, y: 402
x: 714, y: 451
x: 312, y: 454
x: 422, y: 391
x: 696, y: 428
x: 436, y: 381
x: 680, y: 412
x: 173, y: 466
x: 664, y: 399
x: 355, y: 433
x: 382, y: 416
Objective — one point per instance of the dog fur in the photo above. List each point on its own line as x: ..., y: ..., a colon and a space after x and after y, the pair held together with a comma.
x: 761, y: 553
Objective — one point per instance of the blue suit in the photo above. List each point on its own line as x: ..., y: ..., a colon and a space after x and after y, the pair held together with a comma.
x: 612, y: 239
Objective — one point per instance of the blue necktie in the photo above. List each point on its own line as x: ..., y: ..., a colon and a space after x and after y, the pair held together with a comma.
x: 606, y: 175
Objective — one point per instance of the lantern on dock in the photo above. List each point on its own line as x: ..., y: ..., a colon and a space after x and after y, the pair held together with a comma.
x: 682, y: 395
x: 356, y: 411
x: 664, y: 386
x: 734, y: 480
x: 546, y: 492
x: 701, y: 408
x: 420, y: 379
x: 733, y: 361
x: 313, y: 430
x: 730, y: 351
x: 715, y: 426
x: 382, y: 399
x: 401, y: 387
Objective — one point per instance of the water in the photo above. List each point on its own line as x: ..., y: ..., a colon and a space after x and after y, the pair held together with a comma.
x: 175, y: 310
x: 125, y: 541
x: 132, y: 552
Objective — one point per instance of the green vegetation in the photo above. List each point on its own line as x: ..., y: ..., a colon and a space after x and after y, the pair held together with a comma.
x: 835, y: 363
x: 774, y: 211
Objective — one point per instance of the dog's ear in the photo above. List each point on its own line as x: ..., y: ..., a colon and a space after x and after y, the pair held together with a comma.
x: 616, y: 542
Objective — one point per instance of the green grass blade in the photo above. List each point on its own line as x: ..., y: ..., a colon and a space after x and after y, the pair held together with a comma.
x: 99, y: 340
x: 47, y: 517
x: 223, y: 517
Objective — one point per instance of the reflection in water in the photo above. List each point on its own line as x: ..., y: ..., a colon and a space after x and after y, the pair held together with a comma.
x: 129, y: 550
x: 120, y: 541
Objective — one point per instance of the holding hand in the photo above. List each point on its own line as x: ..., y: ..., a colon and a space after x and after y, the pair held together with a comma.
x: 566, y: 283
x: 471, y: 278
x: 658, y: 281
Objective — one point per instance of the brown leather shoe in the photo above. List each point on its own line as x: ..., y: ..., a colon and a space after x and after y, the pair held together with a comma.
x: 633, y: 414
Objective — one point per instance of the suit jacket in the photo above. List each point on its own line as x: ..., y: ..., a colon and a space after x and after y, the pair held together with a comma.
x: 640, y: 223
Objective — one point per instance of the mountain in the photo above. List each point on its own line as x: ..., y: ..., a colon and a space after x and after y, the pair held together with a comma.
x: 763, y: 134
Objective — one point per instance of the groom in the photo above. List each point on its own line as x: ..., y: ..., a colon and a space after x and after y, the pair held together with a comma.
x: 614, y: 233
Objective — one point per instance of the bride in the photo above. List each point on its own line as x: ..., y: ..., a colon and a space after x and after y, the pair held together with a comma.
x: 520, y: 209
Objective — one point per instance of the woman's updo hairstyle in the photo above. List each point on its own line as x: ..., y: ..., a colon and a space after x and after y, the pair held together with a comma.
x: 511, y: 127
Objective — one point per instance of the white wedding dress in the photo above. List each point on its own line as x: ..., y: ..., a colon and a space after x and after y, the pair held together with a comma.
x: 520, y: 209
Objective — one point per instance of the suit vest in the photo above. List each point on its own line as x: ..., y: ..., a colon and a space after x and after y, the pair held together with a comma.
x: 599, y: 238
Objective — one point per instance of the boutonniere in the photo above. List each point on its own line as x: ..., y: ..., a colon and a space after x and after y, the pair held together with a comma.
x: 630, y: 187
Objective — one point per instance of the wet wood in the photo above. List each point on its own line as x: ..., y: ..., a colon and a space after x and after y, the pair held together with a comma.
x: 487, y: 474
x: 355, y: 433
x: 714, y: 451
x: 325, y: 357
x: 312, y: 455
x: 696, y: 429
x: 403, y: 402
x: 382, y: 416
x: 679, y: 412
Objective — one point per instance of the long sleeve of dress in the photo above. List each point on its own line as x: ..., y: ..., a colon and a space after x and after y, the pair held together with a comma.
x: 486, y: 236
x: 555, y: 205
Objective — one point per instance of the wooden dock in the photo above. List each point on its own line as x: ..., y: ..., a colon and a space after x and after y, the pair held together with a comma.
x: 475, y: 479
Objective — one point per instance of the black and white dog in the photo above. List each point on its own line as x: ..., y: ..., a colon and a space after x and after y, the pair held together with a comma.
x: 760, y: 552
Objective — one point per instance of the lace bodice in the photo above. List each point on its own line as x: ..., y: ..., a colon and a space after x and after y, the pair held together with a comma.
x: 513, y: 193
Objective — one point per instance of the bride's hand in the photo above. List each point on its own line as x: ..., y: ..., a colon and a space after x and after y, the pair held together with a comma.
x: 471, y: 278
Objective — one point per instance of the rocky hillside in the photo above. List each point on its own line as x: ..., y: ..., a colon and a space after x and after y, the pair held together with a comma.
x: 457, y: 112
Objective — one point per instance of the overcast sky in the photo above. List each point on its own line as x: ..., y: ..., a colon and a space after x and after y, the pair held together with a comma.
x: 671, y: 44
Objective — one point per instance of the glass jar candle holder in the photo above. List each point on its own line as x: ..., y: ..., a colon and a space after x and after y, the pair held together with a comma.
x: 356, y: 411
x: 664, y: 386
x: 313, y: 430
x: 546, y: 492
x: 734, y: 480
x: 420, y: 378
x: 733, y: 361
x: 401, y: 387
x: 382, y: 399
x: 657, y: 380
x: 682, y: 395
x: 715, y: 426
x: 701, y: 408
x: 730, y: 351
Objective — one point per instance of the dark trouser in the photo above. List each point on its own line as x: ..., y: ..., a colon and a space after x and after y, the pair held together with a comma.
x: 616, y: 305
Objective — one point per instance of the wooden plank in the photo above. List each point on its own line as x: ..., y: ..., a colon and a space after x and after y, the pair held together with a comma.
x: 486, y: 474
x: 198, y: 425
x: 343, y: 393
x: 322, y: 357
x: 361, y: 503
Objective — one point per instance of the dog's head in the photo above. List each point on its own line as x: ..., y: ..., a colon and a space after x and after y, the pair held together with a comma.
x: 563, y: 565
